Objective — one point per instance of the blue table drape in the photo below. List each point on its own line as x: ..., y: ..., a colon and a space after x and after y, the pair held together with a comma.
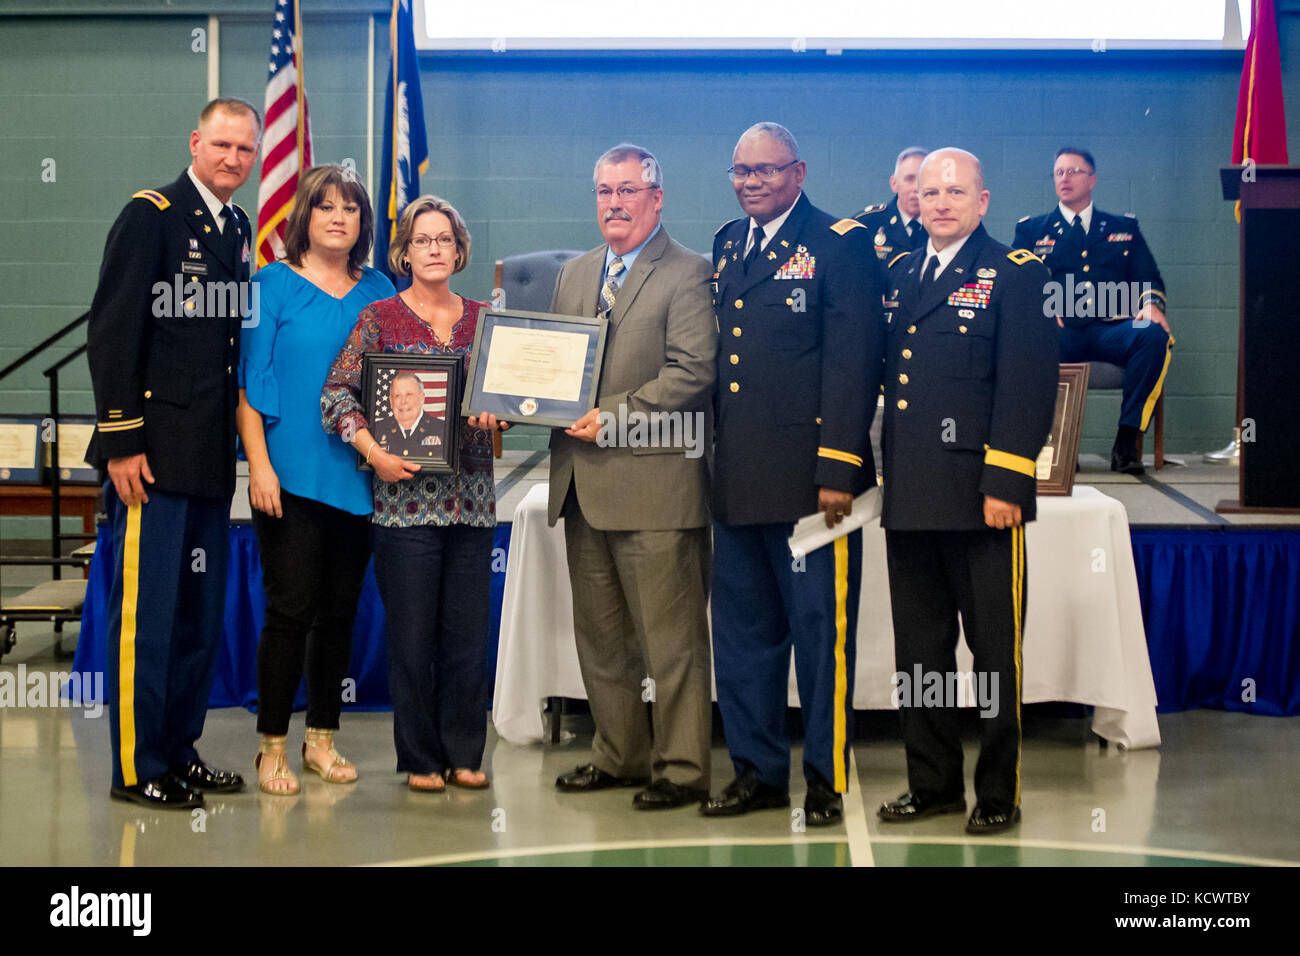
x: 1222, y: 615
x: 235, y: 680
x: 1221, y: 609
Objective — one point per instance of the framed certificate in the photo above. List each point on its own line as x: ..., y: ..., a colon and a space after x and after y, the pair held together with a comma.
x: 411, y: 402
x: 21, y: 450
x: 75, y: 432
x: 534, y: 368
x: 1056, y: 462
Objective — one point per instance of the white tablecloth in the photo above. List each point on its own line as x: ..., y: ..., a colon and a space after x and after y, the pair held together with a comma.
x: 1084, y: 639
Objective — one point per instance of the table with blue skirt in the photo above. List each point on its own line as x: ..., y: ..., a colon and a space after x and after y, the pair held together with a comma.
x: 235, y: 681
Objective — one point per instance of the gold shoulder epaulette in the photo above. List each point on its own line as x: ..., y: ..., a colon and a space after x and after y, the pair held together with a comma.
x: 870, y: 209
x: 844, y: 225
x: 729, y: 222
x: 1023, y: 219
x: 895, y: 259
x: 154, y: 196
x: 1021, y: 256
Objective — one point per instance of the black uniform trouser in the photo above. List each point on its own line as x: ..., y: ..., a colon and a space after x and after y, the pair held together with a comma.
x: 934, y: 576
x: 314, y: 561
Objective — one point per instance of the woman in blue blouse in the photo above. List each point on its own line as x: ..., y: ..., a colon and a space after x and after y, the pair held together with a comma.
x: 432, y: 533
x: 310, y: 503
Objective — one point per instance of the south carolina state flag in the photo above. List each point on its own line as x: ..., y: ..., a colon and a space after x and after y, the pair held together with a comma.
x: 406, y: 147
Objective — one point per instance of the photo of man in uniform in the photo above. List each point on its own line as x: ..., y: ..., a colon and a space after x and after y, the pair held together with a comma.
x: 408, y: 432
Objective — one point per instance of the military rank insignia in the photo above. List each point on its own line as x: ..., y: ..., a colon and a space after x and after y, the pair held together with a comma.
x: 973, y: 295
x: 801, y: 265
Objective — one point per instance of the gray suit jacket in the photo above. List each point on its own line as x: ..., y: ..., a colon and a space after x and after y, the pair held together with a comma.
x: 659, y: 357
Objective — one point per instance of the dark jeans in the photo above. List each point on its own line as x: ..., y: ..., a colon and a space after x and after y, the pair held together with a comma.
x: 435, y: 584
x: 313, y: 563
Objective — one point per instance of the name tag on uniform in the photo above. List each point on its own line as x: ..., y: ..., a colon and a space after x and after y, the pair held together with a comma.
x: 194, y: 268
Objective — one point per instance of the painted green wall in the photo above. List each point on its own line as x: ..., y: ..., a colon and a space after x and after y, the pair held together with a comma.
x: 111, y: 98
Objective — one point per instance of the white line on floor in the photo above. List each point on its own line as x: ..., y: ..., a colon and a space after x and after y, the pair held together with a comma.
x: 855, y: 819
x: 565, y: 848
x: 1090, y: 848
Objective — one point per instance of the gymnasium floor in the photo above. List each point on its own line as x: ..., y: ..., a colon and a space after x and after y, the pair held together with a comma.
x: 1221, y: 789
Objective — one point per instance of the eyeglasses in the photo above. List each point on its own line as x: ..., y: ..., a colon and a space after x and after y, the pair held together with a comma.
x: 765, y: 173
x: 625, y: 193
x: 422, y: 242
x: 1072, y: 171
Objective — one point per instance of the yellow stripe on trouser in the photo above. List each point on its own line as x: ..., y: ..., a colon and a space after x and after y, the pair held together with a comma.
x: 1150, y: 406
x: 1018, y: 610
x: 841, y: 669
x: 126, y: 646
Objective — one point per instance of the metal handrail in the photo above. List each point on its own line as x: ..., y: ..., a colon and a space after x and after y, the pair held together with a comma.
x: 38, y: 349
x: 56, y: 482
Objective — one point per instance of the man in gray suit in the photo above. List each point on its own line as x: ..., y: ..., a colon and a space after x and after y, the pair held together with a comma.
x: 632, y: 485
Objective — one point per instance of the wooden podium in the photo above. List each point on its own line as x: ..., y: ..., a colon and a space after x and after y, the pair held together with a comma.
x: 1268, y: 351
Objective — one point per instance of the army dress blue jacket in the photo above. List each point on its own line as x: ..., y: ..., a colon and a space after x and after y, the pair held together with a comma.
x: 970, y: 386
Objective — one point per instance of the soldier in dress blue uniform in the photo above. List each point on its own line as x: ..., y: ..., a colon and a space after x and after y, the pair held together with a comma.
x: 895, y: 226
x: 163, y: 346
x: 1112, y: 300
x: 797, y: 295
x: 409, y: 432
x: 970, y: 387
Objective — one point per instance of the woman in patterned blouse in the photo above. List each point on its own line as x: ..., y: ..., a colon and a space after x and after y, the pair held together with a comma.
x: 431, y: 533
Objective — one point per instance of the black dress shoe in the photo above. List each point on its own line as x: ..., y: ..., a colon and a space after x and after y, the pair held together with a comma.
x: 982, y: 822
x: 744, y: 794
x: 1124, y: 455
x: 822, y: 807
x: 916, y: 806
x: 666, y: 795
x: 165, y: 792
x: 590, y: 777
x: 199, y: 776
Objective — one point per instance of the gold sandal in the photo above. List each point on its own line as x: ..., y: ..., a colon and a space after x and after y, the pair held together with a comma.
x: 324, y: 740
x: 274, y: 749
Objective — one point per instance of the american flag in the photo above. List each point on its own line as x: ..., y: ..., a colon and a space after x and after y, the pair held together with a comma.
x: 286, y: 144
x: 435, y: 391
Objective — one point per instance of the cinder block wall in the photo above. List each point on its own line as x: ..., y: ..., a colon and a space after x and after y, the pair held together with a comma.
x: 110, y: 98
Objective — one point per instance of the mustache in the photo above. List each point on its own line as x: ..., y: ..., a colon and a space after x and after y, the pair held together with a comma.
x: 618, y: 214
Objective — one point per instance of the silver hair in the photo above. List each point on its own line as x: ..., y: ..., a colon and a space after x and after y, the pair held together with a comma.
x: 652, y: 173
x: 401, y: 375
x: 777, y: 132
x: 908, y: 154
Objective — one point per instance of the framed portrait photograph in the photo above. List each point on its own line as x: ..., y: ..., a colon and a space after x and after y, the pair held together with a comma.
x: 535, y: 368
x: 412, y: 402
x: 1056, y: 462
x: 21, y: 450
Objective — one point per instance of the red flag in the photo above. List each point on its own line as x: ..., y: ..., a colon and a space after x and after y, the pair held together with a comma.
x: 286, y: 142
x: 1261, y: 123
